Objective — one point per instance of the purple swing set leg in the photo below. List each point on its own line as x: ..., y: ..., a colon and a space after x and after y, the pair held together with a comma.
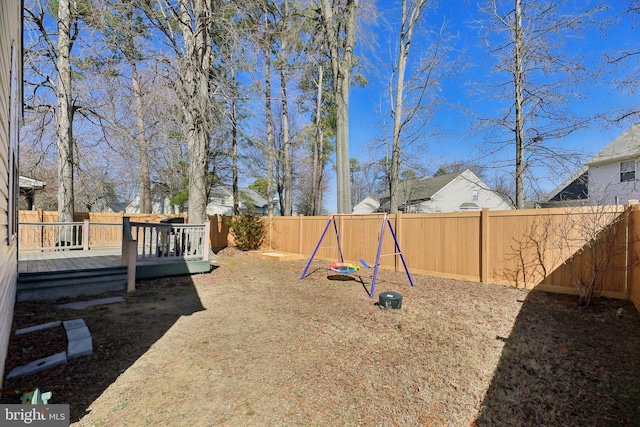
x: 378, y: 254
x: 331, y: 220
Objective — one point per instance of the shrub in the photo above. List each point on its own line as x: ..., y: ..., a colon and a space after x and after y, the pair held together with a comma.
x: 248, y: 230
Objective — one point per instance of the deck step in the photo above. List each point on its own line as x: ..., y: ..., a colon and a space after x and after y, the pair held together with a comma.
x: 55, y: 285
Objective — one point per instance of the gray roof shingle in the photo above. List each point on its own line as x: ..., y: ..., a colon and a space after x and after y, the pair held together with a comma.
x: 625, y: 146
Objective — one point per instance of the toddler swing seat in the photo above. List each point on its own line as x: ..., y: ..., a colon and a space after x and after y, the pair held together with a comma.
x: 344, y: 268
x: 347, y: 268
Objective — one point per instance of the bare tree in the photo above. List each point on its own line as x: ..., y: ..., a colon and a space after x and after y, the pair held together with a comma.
x: 528, y: 41
x: 339, y: 23
x: 317, y: 166
x: 409, y: 98
x: 122, y: 26
x: 317, y: 100
x: 286, y: 31
x: 624, y: 63
x: 267, y: 47
x: 316, y: 139
x: 56, y: 47
x: 191, y: 74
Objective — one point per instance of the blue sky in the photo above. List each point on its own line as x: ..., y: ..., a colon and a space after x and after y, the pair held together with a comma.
x: 456, y: 142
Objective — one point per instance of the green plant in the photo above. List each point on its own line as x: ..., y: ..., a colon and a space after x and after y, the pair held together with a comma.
x: 248, y: 230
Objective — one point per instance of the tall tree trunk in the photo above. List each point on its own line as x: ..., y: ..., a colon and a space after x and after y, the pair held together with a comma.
x: 65, y: 116
x: 196, y: 102
x: 408, y: 22
x: 518, y: 79
x: 268, y: 112
x: 286, y: 146
x: 342, y: 146
x: 234, y: 151
x: 143, y: 143
x: 288, y: 208
x: 316, y: 173
x: 342, y: 60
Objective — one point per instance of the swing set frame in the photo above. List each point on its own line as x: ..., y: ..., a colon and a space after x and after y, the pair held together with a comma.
x: 385, y: 223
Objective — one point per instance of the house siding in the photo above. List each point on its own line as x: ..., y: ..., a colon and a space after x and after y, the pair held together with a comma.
x: 158, y: 206
x: 459, y: 191
x: 605, y: 187
x: 10, y: 34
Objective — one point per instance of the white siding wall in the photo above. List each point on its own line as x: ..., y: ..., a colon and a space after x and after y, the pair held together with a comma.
x: 605, y: 185
x: 460, y: 191
x: 158, y: 206
x: 10, y: 19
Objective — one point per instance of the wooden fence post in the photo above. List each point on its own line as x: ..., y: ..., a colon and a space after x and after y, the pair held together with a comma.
x: 129, y: 253
x: 270, y: 232
x: 206, y: 241
x: 484, y: 245
x: 85, y: 235
x: 300, y: 234
x: 41, y: 219
x: 633, y: 209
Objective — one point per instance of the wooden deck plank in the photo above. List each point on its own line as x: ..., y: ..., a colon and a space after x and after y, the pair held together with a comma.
x: 43, y: 262
x: 67, y: 260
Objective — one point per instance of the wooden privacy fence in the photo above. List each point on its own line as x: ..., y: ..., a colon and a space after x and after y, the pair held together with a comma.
x: 537, y: 248
x: 40, y: 231
x: 547, y: 249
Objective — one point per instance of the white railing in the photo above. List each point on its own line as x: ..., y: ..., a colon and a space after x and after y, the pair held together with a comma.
x: 51, y: 236
x: 169, y: 240
x: 145, y: 240
x: 104, y: 235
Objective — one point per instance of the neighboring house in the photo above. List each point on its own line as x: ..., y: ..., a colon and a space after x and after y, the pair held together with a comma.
x: 610, y: 177
x: 116, y: 207
x: 10, y: 118
x: 613, y: 172
x: 220, y: 201
x: 574, y: 191
x: 452, y: 192
x: 28, y: 188
x: 367, y: 205
x: 160, y: 201
x: 159, y: 205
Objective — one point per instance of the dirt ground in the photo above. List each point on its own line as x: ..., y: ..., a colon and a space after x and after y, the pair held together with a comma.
x: 249, y: 344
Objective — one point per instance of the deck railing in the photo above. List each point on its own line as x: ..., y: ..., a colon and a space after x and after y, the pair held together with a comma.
x: 185, y: 241
x: 105, y: 235
x: 55, y: 236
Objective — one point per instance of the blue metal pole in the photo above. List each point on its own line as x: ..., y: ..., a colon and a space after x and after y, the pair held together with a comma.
x: 335, y: 227
x: 400, y: 252
x: 317, y: 247
x: 375, y: 268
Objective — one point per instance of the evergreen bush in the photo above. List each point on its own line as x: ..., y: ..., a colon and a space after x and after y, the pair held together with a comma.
x: 248, y: 230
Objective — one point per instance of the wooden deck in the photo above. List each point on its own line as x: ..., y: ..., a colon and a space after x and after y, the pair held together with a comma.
x: 44, y: 262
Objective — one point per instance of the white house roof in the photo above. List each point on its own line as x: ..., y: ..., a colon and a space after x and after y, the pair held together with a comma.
x: 226, y: 191
x: 367, y: 205
x: 419, y: 189
x: 626, y: 146
x: 30, y: 183
x: 257, y: 199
